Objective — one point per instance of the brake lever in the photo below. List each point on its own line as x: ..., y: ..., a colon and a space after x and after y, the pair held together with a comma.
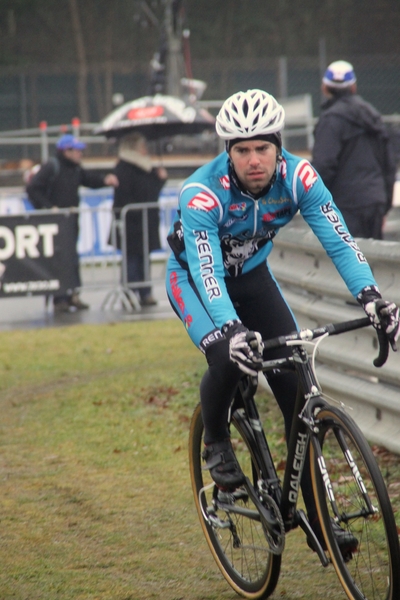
x: 382, y: 357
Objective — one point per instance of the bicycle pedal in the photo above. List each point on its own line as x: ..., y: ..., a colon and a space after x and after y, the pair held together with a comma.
x: 348, y: 554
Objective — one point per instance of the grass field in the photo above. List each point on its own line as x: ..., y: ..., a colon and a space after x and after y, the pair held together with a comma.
x: 95, y: 497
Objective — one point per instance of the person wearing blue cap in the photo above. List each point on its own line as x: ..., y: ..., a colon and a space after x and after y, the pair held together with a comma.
x: 353, y: 154
x: 56, y: 185
x: 69, y: 142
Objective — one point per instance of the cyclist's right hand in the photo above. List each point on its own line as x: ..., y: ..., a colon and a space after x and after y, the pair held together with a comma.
x: 245, y: 347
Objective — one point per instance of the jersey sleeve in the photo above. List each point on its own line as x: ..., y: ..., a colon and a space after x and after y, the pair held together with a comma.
x: 201, y: 213
x: 322, y: 215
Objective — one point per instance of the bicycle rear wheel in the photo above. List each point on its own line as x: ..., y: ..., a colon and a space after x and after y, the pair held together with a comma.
x: 349, y: 488
x: 230, y: 522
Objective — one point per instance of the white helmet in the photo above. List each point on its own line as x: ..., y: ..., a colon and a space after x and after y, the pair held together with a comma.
x: 249, y: 114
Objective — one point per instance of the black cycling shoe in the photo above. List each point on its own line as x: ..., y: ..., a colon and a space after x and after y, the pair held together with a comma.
x: 224, y: 468
x: 346, y: 541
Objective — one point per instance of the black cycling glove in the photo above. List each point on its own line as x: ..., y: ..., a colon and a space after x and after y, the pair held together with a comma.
x: 245, y: 347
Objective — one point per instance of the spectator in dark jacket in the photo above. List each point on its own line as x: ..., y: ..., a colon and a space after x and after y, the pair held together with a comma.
x: 139, y: 182
x: 56, y: 185
x: 353, y: 154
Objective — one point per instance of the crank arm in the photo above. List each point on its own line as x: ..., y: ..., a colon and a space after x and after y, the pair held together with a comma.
x: 267, y: 519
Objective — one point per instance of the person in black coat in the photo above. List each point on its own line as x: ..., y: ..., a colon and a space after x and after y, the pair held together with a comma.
x: 56, y: 185
x: 353, y: 154
x: 139, y: 182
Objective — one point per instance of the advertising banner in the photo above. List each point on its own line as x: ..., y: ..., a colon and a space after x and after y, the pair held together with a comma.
x: 96, y: 216
x: 37, y: 254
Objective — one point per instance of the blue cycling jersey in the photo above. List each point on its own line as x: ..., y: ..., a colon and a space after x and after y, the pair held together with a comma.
x: 220, y: 231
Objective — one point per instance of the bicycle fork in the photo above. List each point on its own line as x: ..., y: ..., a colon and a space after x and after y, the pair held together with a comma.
x: 368, y: 509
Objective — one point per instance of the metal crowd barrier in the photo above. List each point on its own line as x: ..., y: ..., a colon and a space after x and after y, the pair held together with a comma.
x: 317, y: 295
x: 125, y: 290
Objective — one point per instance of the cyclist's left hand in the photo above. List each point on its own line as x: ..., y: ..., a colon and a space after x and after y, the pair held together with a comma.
x: 382, y: 314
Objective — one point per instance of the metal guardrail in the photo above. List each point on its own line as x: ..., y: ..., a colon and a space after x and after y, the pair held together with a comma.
x: 318, y: 295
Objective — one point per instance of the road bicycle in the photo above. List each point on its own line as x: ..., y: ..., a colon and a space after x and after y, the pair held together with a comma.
x: 246, y: 529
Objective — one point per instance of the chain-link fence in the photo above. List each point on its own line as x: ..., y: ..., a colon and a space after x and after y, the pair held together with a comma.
x: 378, y: 78
x: 26, y: 98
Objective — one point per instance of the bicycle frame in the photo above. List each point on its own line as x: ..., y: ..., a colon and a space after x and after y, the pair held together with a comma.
x: 304, y: 428
x: 287, y: 496
x: 244, y: 526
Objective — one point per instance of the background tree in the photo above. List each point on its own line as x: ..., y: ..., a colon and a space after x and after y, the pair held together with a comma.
x: 81, y: 59
x: 39, y: 31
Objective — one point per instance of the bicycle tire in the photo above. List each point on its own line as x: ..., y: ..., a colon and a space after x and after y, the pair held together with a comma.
x: 372, y: 570
x: 247, y: 565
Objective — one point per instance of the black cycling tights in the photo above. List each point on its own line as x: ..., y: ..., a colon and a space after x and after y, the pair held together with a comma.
x: 260, y: 306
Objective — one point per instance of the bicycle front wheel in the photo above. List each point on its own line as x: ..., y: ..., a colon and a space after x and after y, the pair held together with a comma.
x: 349, y: 489
x: 230, y: 522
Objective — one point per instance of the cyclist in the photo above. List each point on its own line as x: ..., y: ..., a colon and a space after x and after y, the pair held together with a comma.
x: 218, y: 279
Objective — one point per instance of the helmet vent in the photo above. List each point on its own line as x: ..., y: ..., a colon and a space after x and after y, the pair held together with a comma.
x: 246, y: 114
